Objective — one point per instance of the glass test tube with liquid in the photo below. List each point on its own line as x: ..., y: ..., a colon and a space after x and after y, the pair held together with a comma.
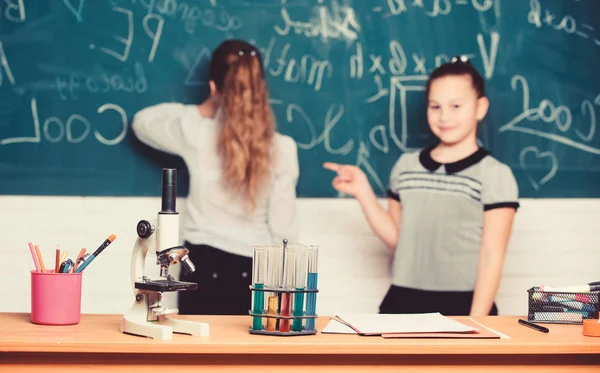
x: 273, y: 278
x: 289, y: 267
x: 311, y: 297
x: 299, y: 285
x: 259, y: 277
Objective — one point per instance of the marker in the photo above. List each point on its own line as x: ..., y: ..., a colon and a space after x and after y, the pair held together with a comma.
x: 539, y: 328
x: 68, y: 264
x: 567, y: 304
x: 107, y: 242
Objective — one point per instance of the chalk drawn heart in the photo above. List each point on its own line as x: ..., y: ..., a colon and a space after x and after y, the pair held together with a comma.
x: 76, y: 12
x: 540, y: 157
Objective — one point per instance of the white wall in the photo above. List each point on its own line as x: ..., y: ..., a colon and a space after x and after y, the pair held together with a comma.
x: 555, y: 242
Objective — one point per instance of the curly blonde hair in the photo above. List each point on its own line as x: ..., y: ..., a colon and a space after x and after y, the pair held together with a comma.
x: 247, y: 122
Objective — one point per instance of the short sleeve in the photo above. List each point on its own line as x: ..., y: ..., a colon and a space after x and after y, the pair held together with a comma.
x: 393, y: 190
x: 500, y: 188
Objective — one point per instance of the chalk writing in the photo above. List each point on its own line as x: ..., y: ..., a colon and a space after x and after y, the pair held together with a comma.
x: 548, y: 112
x: 339, y: 22
x: 434, y: 8
x: 14, y: 11
x: 99, y: 81
x: 539, y: 161
x: 306, y: 68
x: 75, y: 7
x: 297, y: 116
x: 74, y: 130
x: 127, y: 41
x: 6, y: 67
x: 540, y: 17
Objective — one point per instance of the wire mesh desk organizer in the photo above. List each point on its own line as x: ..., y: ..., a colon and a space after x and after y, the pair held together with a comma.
x: 554, y: 307
x: 284, y: 290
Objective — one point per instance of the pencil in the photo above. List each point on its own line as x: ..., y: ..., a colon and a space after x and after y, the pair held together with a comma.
x: 36, y: 262
x: 81, y: 254
x: 57, y: 264
x: 63, y: 256
x: 40, y: 258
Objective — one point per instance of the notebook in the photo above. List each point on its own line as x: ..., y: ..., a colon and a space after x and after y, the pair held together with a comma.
x: 481, y: 332
x: 378, y: 324
x: 335, y: 326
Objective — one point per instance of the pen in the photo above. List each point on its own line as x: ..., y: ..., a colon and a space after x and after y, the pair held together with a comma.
x: 103, y: 246
x: 539, y: 328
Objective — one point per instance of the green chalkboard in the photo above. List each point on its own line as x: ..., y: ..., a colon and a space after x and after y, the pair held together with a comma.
x: 346, y: 82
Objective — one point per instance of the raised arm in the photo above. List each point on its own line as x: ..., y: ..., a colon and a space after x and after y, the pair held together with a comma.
x: 162, y: 127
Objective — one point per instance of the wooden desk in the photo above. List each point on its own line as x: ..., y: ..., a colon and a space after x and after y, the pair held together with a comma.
x: 96, y: 344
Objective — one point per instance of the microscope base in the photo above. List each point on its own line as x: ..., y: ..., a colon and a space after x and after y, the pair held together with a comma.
x: 163, y: 328
x: 142, y: 320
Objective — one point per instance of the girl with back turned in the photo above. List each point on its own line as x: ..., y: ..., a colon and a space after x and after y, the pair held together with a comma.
x: 243, y: 177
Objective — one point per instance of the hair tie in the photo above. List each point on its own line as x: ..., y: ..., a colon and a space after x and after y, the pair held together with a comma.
x: 252, y: 52
x: 461, y: 58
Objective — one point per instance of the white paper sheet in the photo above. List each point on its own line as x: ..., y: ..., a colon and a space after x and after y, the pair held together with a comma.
x: 375, y: 324
x: 336, y: 327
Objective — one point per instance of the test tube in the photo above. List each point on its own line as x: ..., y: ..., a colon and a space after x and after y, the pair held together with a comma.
x: 300, y: 285
x: 311, y: 298
x: 273, y: 279
x: 259, y: 275
x: 289, y: 267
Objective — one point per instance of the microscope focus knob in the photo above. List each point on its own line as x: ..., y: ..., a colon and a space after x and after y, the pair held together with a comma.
x: 144, y: 229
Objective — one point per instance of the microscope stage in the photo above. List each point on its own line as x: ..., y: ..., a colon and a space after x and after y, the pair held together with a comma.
x: 166, y: 285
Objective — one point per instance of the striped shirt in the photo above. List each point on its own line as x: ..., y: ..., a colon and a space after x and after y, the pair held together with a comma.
x: 442, y: 216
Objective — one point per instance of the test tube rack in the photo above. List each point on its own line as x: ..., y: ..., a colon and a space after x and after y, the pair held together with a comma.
x: 277, y: 319
x: 284, y: 290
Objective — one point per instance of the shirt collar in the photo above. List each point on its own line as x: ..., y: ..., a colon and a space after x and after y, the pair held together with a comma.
x: 453, y: 167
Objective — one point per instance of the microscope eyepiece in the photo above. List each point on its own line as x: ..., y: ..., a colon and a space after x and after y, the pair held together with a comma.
x: 169, y: 191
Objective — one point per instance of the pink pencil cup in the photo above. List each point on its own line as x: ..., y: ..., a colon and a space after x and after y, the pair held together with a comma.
x: 55, y: 298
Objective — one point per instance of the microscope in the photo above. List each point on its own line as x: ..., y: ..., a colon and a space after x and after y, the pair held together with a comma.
x: 147, y: 317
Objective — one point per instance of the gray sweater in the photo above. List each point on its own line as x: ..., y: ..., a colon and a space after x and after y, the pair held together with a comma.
x: 214, y: 216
